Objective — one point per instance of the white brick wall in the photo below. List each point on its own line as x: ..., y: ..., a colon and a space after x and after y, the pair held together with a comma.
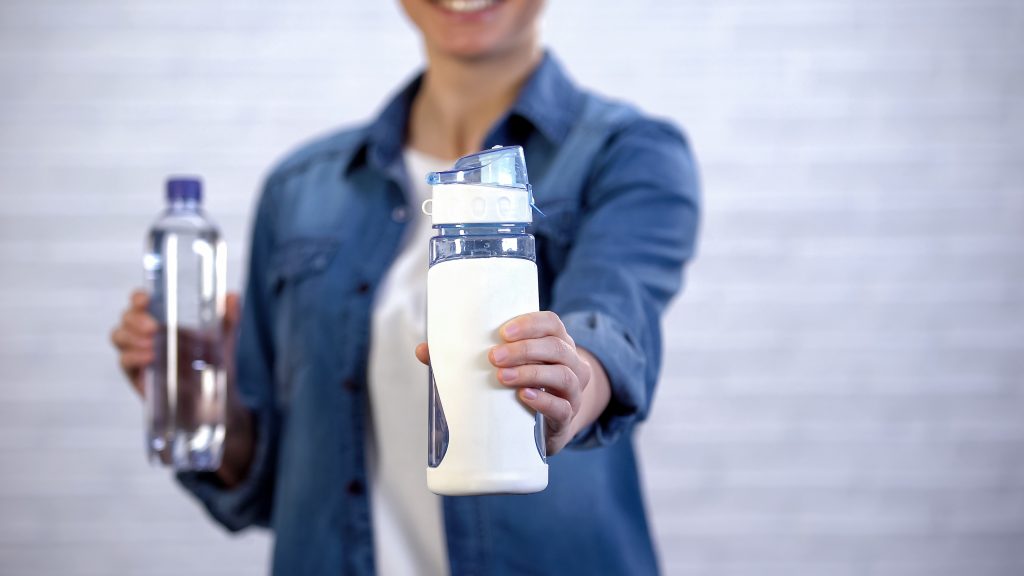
x: 843, y: 387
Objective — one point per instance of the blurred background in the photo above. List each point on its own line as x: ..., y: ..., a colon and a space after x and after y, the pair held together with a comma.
x: 843, y: 391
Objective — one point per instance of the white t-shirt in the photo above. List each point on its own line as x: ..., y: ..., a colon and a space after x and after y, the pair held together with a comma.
x: 408, y: 523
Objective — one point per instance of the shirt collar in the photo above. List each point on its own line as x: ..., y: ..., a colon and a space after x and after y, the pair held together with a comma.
x: 548, y: 100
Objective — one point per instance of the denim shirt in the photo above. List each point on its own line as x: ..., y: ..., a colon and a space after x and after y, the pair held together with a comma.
x: 620, y: 196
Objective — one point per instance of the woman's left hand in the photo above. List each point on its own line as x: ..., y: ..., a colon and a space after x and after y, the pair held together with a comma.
x: 564, y: 383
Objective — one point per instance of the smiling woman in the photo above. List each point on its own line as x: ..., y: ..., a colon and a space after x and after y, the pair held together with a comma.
x: 337, y: 471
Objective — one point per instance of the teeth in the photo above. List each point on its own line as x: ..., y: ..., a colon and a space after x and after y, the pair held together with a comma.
x: 466, y: 5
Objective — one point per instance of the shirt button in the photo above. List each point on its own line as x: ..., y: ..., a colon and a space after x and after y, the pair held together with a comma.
x: 400, y: 214
x: 355, y: 487
x: 363, y: 287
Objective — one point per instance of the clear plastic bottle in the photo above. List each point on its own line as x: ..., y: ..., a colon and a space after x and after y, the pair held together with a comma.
x: 483, y: 272
x: 185, y: 387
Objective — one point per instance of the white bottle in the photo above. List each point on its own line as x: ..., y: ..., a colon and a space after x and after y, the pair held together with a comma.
x: 483, y: 272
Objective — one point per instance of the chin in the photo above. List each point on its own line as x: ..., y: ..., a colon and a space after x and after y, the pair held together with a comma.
x: 470, y: 48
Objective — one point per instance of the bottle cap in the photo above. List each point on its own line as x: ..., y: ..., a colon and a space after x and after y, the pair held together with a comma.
x: 489, y: 187
x: 184, y: 188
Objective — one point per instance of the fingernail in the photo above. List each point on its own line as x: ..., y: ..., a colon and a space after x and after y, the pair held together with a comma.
x: 508, y: 374
x: 529, y: 393
x: 500, y: 354
x: 511, y: 331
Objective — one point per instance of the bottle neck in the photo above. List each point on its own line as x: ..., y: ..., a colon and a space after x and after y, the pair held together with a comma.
x: 479, y: 229
x: 183, y: 205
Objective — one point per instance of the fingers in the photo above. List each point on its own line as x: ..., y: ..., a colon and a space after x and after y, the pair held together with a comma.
x: 545, y: 350
x: 133, y: 338
x: 555, y: 379
x: 139, y: 300
x: 139, y: 322
x: 423, y: 353
x: 534, y: 325
x: 137, y: 327
x: 557, y: 411
x: 136, y: 323
x: 135, y: 332
x: 126, y: 340
x: 135, y: 360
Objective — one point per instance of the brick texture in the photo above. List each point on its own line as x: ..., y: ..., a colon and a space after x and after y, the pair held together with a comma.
x: 843, y: 382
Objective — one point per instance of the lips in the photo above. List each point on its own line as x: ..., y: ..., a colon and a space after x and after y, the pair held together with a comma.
x: 466, y: 6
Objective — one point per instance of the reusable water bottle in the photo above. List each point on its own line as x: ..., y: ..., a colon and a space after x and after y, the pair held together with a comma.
x: 483, y: 272
x: 185, y: 387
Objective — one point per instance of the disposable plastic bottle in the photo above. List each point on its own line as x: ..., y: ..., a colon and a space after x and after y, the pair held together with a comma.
x: 185, y: 387
x: 481, y: 438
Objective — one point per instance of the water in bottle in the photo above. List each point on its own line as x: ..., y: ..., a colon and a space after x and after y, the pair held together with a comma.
x: 483, y: 272
x: 185, y: 387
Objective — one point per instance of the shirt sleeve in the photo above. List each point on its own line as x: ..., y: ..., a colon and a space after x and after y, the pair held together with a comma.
x: 249, y: 502
x: 637, y: 231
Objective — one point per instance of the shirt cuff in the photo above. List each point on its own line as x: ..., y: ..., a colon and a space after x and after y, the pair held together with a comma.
x: 245, y: 504
x: 623, y: 362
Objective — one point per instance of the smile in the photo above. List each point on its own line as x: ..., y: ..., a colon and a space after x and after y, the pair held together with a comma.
x: 466, y: 6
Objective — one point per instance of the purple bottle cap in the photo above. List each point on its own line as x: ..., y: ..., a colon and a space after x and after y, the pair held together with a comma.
x: 185, y: 188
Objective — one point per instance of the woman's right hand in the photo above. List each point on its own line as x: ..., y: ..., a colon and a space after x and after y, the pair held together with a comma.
x: 133, y: 338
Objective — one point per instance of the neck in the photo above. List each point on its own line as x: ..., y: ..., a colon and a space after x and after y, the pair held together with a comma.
x: 460, y: 99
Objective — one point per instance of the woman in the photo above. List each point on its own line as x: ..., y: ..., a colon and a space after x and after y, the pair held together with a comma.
x: 326, y: 445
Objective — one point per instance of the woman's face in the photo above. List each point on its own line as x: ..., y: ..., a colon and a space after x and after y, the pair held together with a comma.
x: 475, y: 29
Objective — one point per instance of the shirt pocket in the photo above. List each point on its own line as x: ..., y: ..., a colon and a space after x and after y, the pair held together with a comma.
x: 558, y: 224
x: 555, y: 233
x: 297, y: 272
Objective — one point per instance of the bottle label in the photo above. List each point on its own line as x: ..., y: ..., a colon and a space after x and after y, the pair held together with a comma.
x: 491, y: 434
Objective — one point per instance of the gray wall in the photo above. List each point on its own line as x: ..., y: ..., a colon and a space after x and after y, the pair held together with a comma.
x: 843, y: 390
